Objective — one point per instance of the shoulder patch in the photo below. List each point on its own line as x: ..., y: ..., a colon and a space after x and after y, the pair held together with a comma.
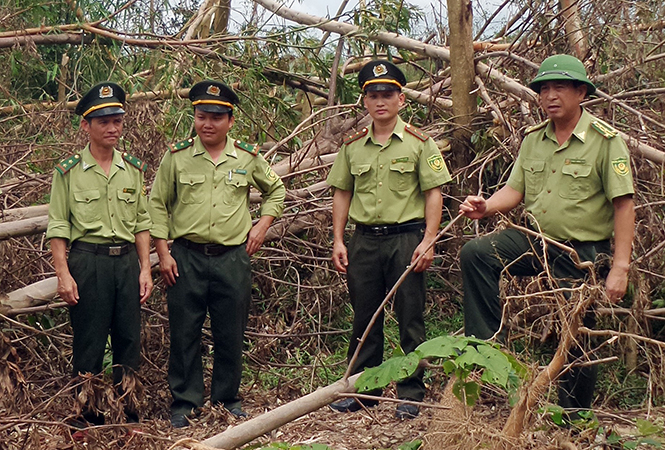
x: 249, y: 148
x: 134, y: 161
x: 181, y: 145
x: 417, y: 132
x: 537, y: 127
x: 355, y: 136
x: 66, y: 164
x: 605, y: 130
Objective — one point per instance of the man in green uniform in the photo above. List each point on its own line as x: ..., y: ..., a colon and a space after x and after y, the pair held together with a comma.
x: 387, y: 180
x: 573, y: 173
x: 98, y: 205
x: 200, y: 200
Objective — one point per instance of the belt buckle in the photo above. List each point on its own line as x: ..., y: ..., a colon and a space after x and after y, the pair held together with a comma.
x: 383, y: 231
x: 207, y: 251
x: 115, y: 251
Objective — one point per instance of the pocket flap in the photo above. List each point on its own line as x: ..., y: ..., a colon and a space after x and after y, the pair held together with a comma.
x: 127, y: 197
x: 577, y: 170
x: 359, y: 169
x: 533, y: 165
x: 237, y: 180
x: 402, y: 167
x: 87, y: 196
x: 191, y: 178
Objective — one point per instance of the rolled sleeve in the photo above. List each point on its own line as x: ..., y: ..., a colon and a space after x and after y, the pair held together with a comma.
x: 272, y: 190
x: 161, y: 195
x: 143, y: 220
x: 433, y: 171
x: 59, y: 225
x: 340, y: 174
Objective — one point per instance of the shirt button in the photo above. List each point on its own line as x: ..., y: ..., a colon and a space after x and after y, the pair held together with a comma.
x: 549, y: 191
x: 379, y: 216
x: 215, y: 187
x: 111, y: 215
x: 381, y: 166
x: 544, y: 211
x: 109, y: 199
x: 553, y: 170
x: 379, y: 200
x: 214, y: 205
x: 213, y: 225
x: 380, y: 183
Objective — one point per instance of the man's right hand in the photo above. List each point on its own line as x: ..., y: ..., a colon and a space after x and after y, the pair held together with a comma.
x: 339, y: 257
x: 169, y: 269
x: 68, y: 289
x: 473, y: 207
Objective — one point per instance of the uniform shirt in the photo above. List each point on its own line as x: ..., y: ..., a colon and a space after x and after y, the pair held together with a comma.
x: 206, y: 202
x: 388, y: 180
x: 569, y: 188
x: 89, y: 206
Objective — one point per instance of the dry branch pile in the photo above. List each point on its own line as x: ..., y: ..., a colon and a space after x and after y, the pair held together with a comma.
x: 291, y: 104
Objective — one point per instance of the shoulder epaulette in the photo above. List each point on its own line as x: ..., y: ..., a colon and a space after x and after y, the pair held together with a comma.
x: 249, y: 148
x: 606, y: 130
x: 66, y: 164
x: 417, y: 132
x: 537, y: 127
x: 355, y: 136
x: 181, y: 145
x: 134, y: 161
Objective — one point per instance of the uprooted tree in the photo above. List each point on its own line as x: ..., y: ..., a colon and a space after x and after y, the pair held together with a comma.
x: 296, y: 80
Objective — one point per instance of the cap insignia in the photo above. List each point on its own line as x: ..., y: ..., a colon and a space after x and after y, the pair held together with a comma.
x: 379, y: 70
x: 105, y: 92
x: 213, y: 90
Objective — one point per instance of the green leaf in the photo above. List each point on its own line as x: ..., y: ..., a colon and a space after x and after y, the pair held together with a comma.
x: 613, y: 438
x: 630, y: 445
x: 414, y: 445
x: 467, y: 392
x: 441, y: 347
x: 647, y: 428
x: 650, y: 441
x: 497, y: 366
x: 394, y: 369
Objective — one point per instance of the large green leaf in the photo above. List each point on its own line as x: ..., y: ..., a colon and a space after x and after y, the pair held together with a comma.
x: 394, y: 369
x: 442, y: 347
x: 497, y: 367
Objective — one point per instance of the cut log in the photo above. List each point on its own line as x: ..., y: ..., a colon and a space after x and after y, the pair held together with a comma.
x: 245, y: 432
x: 9, y: 215
x: 23, y: 227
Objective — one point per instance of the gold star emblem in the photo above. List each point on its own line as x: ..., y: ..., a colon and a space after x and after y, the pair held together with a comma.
x: 105, y: 92
x: 380, y: 69
x: 213, y: 90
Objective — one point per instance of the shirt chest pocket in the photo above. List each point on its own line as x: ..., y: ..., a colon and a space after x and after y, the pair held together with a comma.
x: 402, y: 176
x: 361, y: 177
x: 86, y: 206
x: 191, y: 188
x: 127, y: 204
x: 534, y: 175
x: 236, y: 189
x: 577, y: 182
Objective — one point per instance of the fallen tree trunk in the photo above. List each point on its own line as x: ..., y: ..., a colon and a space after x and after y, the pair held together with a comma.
x: 9, y: 215
x: 23, y: 227
x: 234, y: 437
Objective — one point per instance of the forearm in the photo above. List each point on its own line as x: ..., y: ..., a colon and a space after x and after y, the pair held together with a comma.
x: 59, y: 251
x: 340, y: 215
x: 162, y: 248
x: 503, y: 201
x: 624, y: 232
x: 143, y: 248
x: 433, y: 207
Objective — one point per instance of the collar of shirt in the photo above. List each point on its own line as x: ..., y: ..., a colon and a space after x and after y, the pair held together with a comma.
x: 397, y: 131
x: 88, y: 161
x: 229, y: 150
x: 580, y: 131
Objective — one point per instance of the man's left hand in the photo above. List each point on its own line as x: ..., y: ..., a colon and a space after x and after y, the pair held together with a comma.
x: 426, y: 260
x: 256, y: 237
x: 616, y: 284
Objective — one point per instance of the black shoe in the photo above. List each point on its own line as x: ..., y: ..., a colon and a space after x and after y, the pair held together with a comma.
x: 179, y: 420
x: 238, y: 413
x: 406, y: 411
x: 131, y: 417
x: 350, y: 404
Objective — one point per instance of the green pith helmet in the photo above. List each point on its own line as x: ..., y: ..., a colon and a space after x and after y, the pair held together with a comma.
x: 562, y: 67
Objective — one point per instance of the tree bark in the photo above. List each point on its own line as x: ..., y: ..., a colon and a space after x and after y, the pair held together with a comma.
x: 23, y: 227
x: 247, y: 431
x: 462, y: 74
x: 573, y: 26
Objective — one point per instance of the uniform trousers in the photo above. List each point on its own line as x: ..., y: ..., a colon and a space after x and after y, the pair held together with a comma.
x: 220, y: 285
x: 109, y: 300
x: 483, y: 260
x: 375, y: 265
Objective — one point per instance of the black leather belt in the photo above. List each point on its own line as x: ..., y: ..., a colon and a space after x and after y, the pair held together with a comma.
x: 385, y: 230
x: 206, y: 249
x: 103, y: 249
